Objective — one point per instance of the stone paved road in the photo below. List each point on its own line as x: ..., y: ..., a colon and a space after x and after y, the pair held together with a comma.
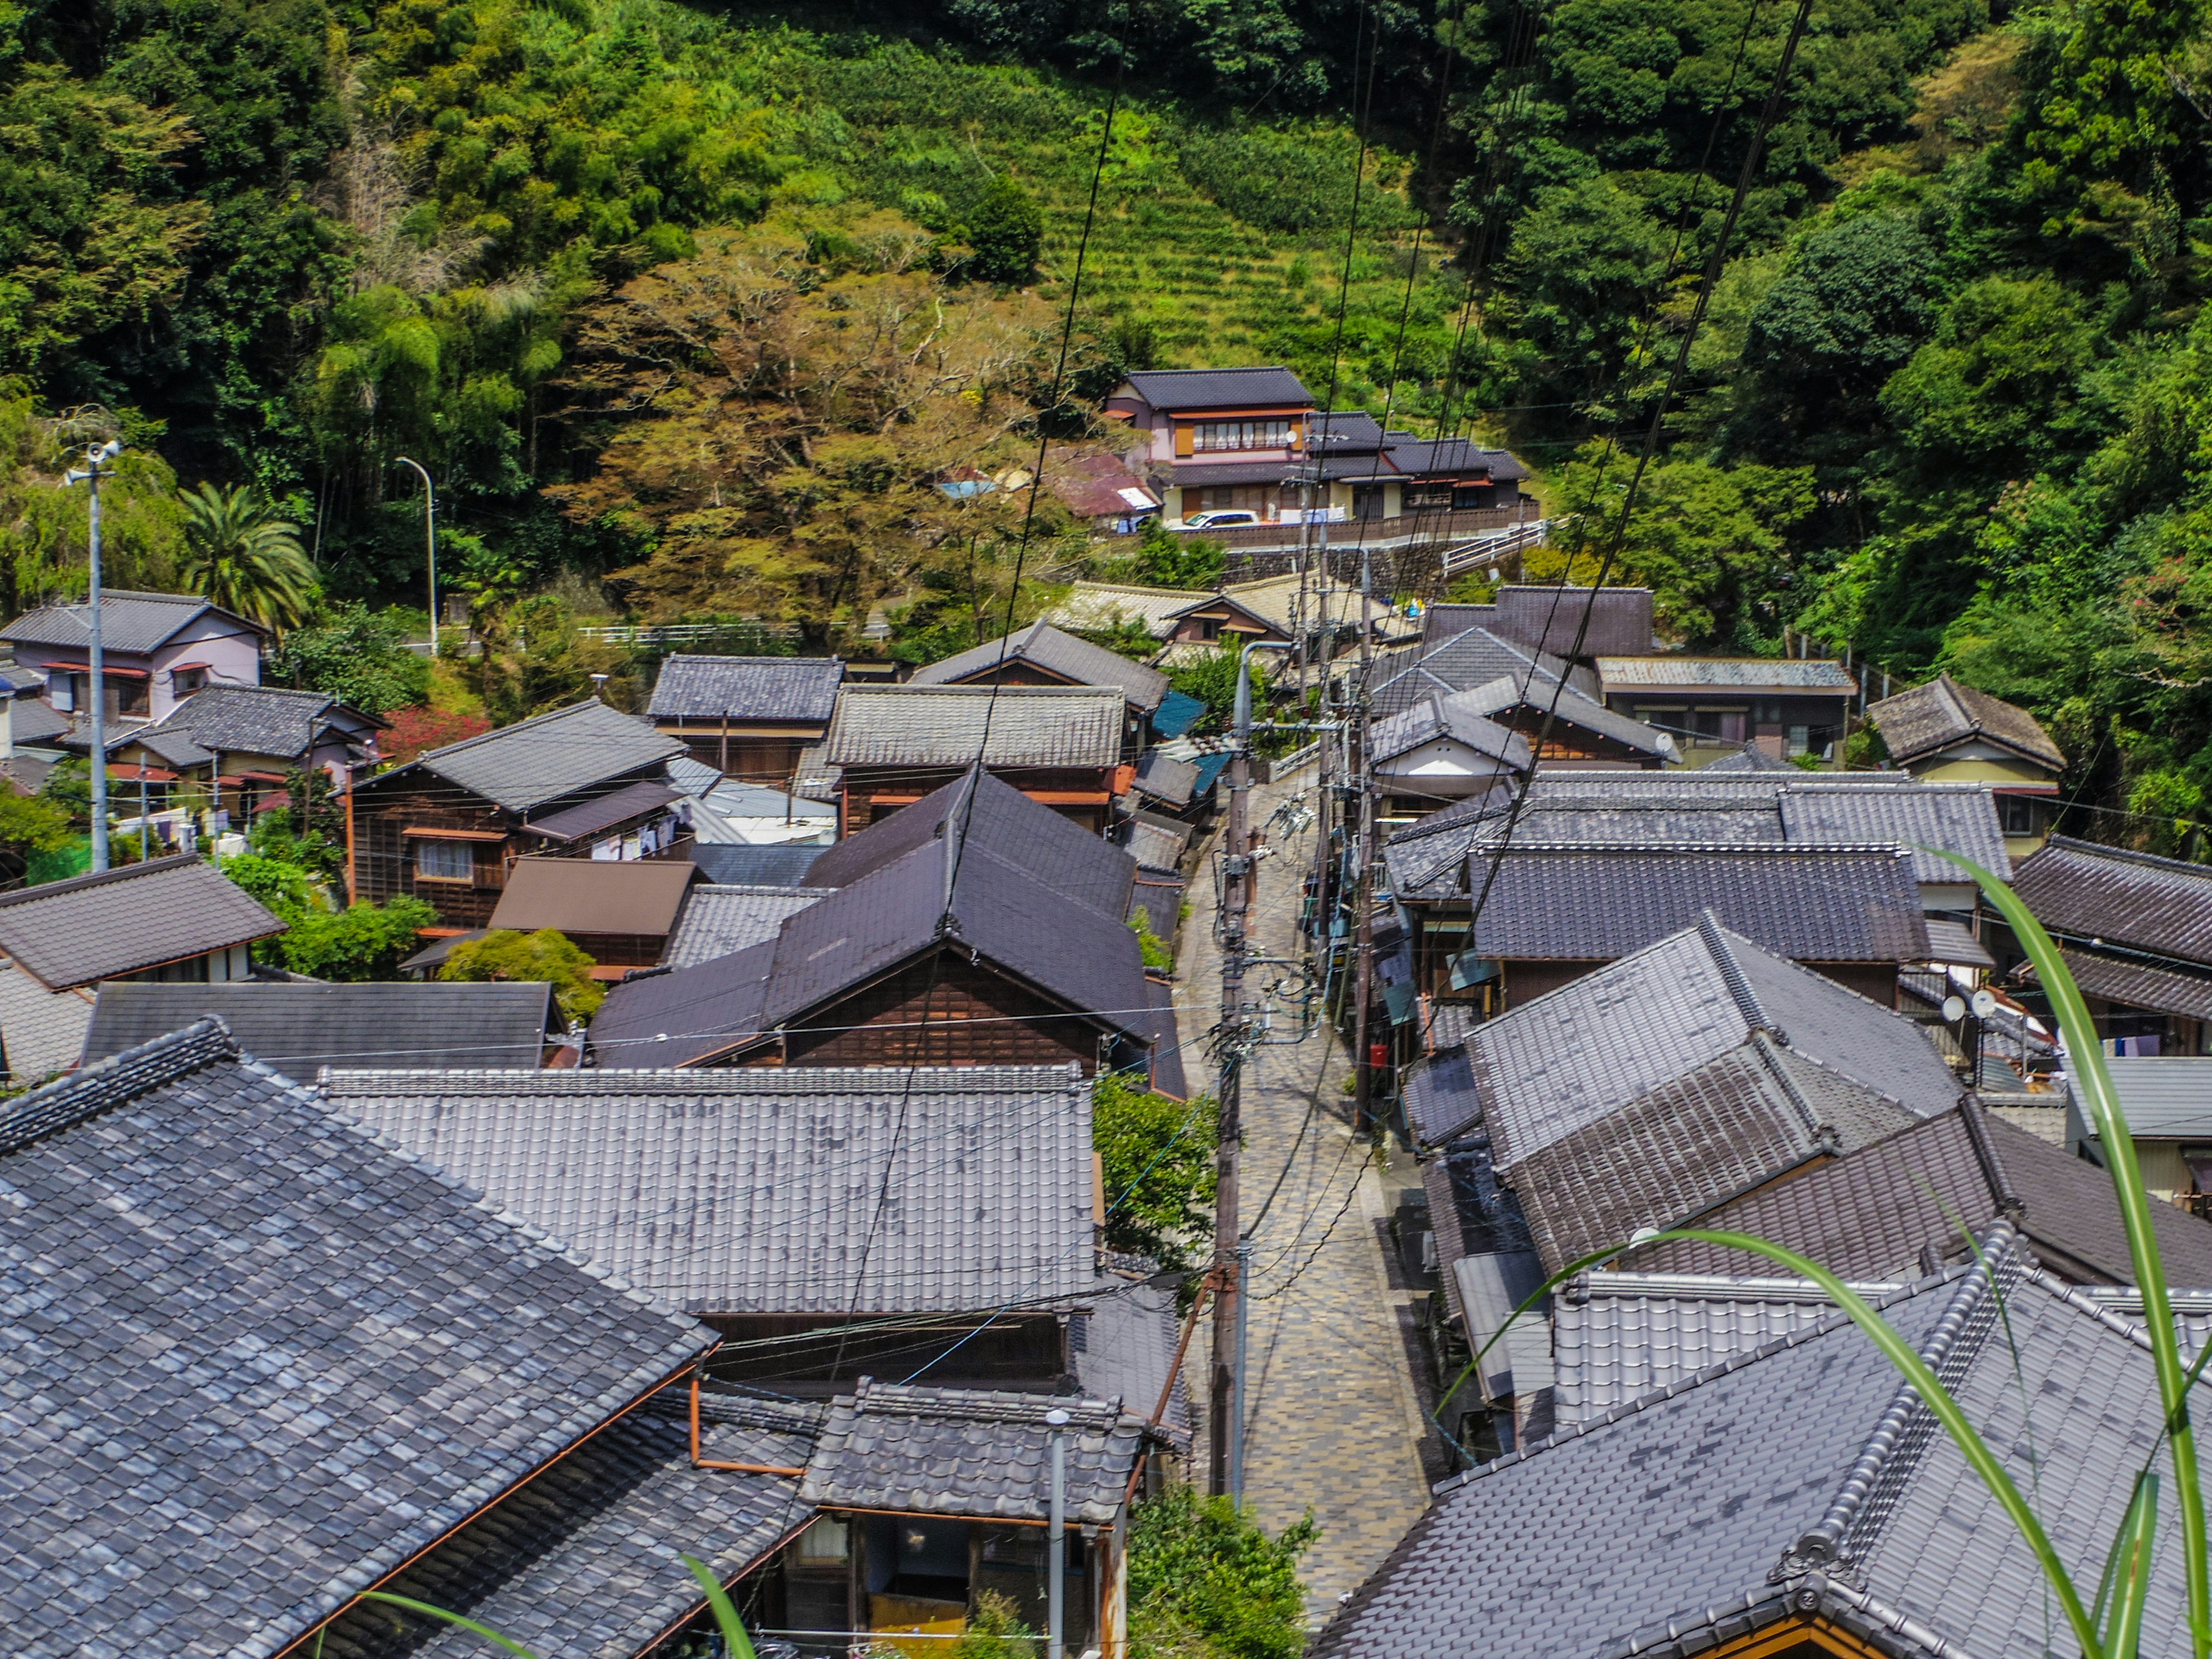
x: 1333, y: 1421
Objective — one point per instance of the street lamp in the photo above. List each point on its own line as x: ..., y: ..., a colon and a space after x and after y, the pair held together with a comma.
x: 95, y: 468
x: 429, y: 543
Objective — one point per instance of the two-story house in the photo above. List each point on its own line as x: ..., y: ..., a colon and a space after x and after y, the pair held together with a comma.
x: 1947, y: 732
x: 1218, y: 438
x: 747, y: 717
x: 156, y: 649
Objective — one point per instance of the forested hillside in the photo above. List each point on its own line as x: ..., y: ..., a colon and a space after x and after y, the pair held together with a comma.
x: 687, y: 308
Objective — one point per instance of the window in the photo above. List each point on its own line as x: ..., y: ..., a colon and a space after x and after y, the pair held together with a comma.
x: 2019, y: 814
x: 185, y: 681
x: 445, y: 860
x: 1244, y: 435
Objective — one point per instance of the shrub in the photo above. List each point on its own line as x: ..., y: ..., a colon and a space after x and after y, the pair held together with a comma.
x: 1157, y: 1156
x: 1007, y: 230
x: 1205, y: 1580
x: 417, y: 731
x: 547, y: 955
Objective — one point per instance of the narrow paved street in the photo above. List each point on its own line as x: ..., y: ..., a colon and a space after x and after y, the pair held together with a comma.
x: 1331, y: 1418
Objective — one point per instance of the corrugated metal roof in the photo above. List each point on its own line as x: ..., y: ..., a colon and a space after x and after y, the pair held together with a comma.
x: 774, y: 1189
x: 800, y: 688
x: 1072, y: 726
x: 594, y: 896
x: 621, y: 805
x: 299, y: 1028
x: 2168, y: 1097
x: 2106, y: 895
x: 103, y: 926
x: 1788, y: 674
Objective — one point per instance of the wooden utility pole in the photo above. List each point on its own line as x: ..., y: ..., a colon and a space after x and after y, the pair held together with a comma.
x: 1225, y: 1431
x: 1363, y: 779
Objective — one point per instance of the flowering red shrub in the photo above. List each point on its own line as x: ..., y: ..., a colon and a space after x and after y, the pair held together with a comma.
x: 415, y: 730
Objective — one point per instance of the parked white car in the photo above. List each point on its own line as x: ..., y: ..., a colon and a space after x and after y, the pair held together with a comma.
x: 1227, y: 520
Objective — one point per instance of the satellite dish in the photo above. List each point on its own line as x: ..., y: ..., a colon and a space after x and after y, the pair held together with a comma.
x: 1984, y: 1004
x: 1954, y: 1010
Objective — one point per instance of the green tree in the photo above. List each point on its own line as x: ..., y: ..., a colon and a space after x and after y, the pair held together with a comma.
x: 1157, y: 1159
x: 547, y: 955
x: 245, y: 558
x: 1211, y: 677
x: 1007, y: 230
x: 363, y: 941
x: 358, y: 656
x: 1206, y: 1582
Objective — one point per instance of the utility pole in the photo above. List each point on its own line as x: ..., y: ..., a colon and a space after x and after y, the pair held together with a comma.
x: 92, y: 474
x: 1225, y: 1398
x: 1055, y: 1544
x: 1362, y: 781
x: 429, y: 544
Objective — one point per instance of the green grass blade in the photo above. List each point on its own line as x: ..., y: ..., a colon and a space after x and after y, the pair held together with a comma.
x: 740, y: 1645
x: 2129, y: 1571
x: 425, y: 1608
x: 2093, y: 1083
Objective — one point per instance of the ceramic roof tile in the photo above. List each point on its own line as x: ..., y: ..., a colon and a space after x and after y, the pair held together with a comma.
x: 969, y: 1452
x: 1102, y: 606
x: 935, y: 726
x: 1551, y: 618
x: 343, y: 1354
x: 1045, y: 646
x: 1459, y: 717
x: 101, y: 927
x: 1959, y: 819
x: 624, y: 805
x: 1944, y: 712
x: 774, y: 1189
x: 801, y: 688
x: 538, y: 762
x: 1540, y: 698
x: 299, y: 1028
x: 720, y: 920
x: 129, y: 620
x: 1199, y: 389
x: 1477, y: 657
x: 1668, y: 673
x: 2085, y: 891
x: 2140, y: 986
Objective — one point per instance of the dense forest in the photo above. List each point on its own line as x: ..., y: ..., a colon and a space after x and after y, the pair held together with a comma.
x: 687, y: 308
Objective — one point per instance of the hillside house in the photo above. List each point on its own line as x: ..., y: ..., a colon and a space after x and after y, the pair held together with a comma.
x: 156, y: 650
x: 586, y: 781
x: 237, y: 746
x: 1945, y: 731
x: 1551, y: 619
x: 1216, y: 438
x: 747, y: 717
x: 1788, y: 707
x: 1041, y: 654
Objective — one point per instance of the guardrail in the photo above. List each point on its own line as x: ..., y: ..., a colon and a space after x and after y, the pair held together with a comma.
x: 1486, y: 549
x: 690, y: 633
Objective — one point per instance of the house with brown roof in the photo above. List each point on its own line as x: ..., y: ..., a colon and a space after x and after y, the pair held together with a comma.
x: 747, y: 717
x: 621, y: 913
x: 587, y: 781
x: 1947, y: 731
x: 1061, y: 745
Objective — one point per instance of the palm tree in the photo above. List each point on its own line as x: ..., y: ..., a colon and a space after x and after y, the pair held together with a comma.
x: 245, y: 558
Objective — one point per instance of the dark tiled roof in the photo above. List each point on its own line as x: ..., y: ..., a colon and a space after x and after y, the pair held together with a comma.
x: 1537, y: 698
x: 356, y: 1355
x: 1442, y: 1102
x: 1742, y: 1497
x: 1166, y: 779
x: 1199, y: 389
x: 595, y: 895
x: 2086, y: 891
x: 676, y: 1016
x: 585, y: 1559
x: 2141, y: 987
x: 1425, y: 457
x: 1156, y: 843
x: 1440, y: 622
x: 259, y: 720
x: 36, y: 722
x: 738, y: 865
x: 763, y: 1189
x: 128, y: 621
x: 800, y: 688
x: 542, y: 760
x: 96, y: 927
x: 720, y: 920
x: 1459, y: 717
x: 1749, y: 758
x: 1476, y: 658
x: 297, y: 1029
x: 948, y: 724
x: 970, y: 1452
x: 1942, y: 713
x: 1871, y: 1215
x: 1810, y: 904
x: 1958, y: 817
x: 631, y: 801
x: 1073, y: 660
x: 1640, y: 672
x: 1549, y: 618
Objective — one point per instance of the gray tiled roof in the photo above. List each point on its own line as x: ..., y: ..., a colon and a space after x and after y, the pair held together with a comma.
x: 1045, y: 646
x: 1745, y: 1505
x: 1871, y: 1215
x: 538, y: 762
x: 259, y: 720
x: 101, y: 927
x: 1154, y: 845
x: 739, y: 865
x: 1101, y: 606
x: 970, y: 1452
x: 1220, y: 388
x: 1476, y: 658
x: 2085, y: 891
x: 933, y: 725
x: 129, y: 620
x: 1550, y: 618
x: 2141, y: 987
x: 2168, y: 1097
x: 355, y: 1355
x: 1124, y: 1349
x: 1459, y: 717
x: 803, y: 689
x: 34, y: 720
x: 1668, y: 673
x: 783, y: 1189
x: 1942, y: 713
x: 1596, y: 903
x: 632, y: 801
x: 41, y: 1031
x: 1567, y: 707
x: 1166, y: 779
x: 586, y: 1560
x: 299, y: 1028
x: 1959, y: 818
x: 718, y: 921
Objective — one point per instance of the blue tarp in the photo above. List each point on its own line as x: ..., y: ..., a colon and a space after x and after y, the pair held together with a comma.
x: 1178, y: 712
x: 1210, y: 767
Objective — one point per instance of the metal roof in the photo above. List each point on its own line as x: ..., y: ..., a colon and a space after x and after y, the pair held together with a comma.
x: 717, y: 920
x: 1442, y: 1102
x: 793, y: 689
x: 1799, y: 1479
x: 2108, y: 895
x: 1163, y: 778
x: 737, y: 865
x: 297, y: 1027
x: 356, y: 1355
x: 1554, y: 902
x: 103, y: 926
x: 1935, y: 716
x: 547, y: 758
x: 1672, y: 673
x: 129, y: 620
x: 2165, y: 1097
x: 935, y: 726
x: 595, y: 895
x: 774, y: 1189
x: 1200, y: 389
x: 620, y: 805
x: 971, y: 1452
x: 1044, y: 647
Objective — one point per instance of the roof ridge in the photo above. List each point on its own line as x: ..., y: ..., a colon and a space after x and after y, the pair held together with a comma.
x: 107, y: 1084
x: 1852, y: 1524
x: 1769, y: 1051
x: 1716, y: 939
x: 97, y: 878
x: 2126, y: 854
